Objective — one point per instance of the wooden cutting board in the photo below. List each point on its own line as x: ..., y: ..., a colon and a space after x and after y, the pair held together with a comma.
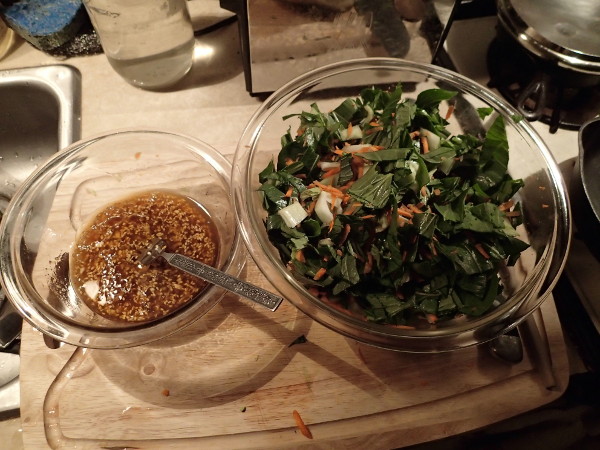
x: 232, y: 380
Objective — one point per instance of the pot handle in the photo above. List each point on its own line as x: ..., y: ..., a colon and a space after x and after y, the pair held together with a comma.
x: 536, y: 91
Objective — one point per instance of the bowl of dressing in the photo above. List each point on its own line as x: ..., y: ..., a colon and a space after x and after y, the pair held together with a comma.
x: 71, y: 236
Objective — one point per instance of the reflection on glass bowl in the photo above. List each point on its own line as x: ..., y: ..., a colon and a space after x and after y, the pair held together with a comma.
x: 545, y: 207
x: 49, y: 210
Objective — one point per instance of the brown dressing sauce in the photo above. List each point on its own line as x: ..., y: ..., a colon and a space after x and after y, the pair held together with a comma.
x: 103, y: 267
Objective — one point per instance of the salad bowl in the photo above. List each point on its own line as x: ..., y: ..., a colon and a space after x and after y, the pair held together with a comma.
x: 343, y: 99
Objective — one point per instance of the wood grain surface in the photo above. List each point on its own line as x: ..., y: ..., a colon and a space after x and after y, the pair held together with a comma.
x: 233, y: 379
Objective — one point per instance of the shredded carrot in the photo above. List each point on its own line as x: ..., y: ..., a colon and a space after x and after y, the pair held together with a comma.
x: 366, y: 150
x: 414, y: 134
x: 333, y: 191
x: 352, y: 209
x: 414, y: 209
x: 373, y: 130
x: 545, y: 206
x: 331, y: 224
x: 320, y: 273
x: 512, y: 213
x: 369, y: 263
x: 360, y: 170
x: 432, y: 318
x: 166, y: 392
x: 368, y: 216
x: 289, y: 161
x: 506, y: 205
x: 403, y: 221
x: 331, y: 172
x: 482, y: 251
x: 404, y: 213
x: 138, y: 155
x: 436, y: 191
x: 338, y: 152
x: 374, y: 123
x: 300, y: 132
x: 450, y: 111
x: 301, y: 425
x: 345, y: 234
x: 347, y: 186
x: 349, y: 129
x: 288, y: 194
x: 403, y: 327
x: 332, y: 207
x: 300, y: 256
x: 424, y: 145
x: 311, y: 207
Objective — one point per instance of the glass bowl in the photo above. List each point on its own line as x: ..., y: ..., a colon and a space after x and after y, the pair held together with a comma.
x: 547, y: 222
x: 50, y: 208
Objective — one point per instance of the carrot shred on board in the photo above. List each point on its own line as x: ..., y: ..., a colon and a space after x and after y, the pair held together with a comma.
x: 138, y: 155
x: 301, y: 425
x: 320, y: 273
x: 424, y: 145
x: 482, y: 251
x: 288, y: 194
x: 450, y: 111
x: 414, y: 134
x: 331, y: 172
x: 300, y: 256
x: 338, y: 152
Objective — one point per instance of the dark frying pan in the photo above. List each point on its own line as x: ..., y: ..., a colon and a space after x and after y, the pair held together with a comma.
x: 585, y: 186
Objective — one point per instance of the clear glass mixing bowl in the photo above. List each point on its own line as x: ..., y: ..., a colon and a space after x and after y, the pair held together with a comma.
x: 50, y: 207
x: 547, y: 219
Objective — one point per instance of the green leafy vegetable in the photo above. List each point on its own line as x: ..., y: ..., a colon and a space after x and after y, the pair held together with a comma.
x: 395, y: 232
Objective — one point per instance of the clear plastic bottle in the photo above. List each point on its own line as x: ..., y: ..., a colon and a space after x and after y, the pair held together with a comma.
x: 150, y: 43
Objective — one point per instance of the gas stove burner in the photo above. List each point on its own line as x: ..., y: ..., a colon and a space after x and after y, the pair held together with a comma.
x: 540, y: 89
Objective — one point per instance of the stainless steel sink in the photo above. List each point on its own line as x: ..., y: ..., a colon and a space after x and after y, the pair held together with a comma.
x: 40, y: 113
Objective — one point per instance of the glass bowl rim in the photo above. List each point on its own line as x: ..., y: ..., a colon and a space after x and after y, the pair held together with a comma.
x: 46, y: 321
x: 547, y: 269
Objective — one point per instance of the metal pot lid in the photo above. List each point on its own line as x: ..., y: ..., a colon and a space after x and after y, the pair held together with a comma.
x: 565, y: 32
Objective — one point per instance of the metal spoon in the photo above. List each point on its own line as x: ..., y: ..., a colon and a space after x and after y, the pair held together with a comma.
x: 207, y: 273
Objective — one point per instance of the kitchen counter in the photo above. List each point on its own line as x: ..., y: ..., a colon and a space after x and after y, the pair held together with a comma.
x: 210, y: 104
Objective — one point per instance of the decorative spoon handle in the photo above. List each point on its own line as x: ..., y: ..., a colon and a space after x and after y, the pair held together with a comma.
x: 233, y: 284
